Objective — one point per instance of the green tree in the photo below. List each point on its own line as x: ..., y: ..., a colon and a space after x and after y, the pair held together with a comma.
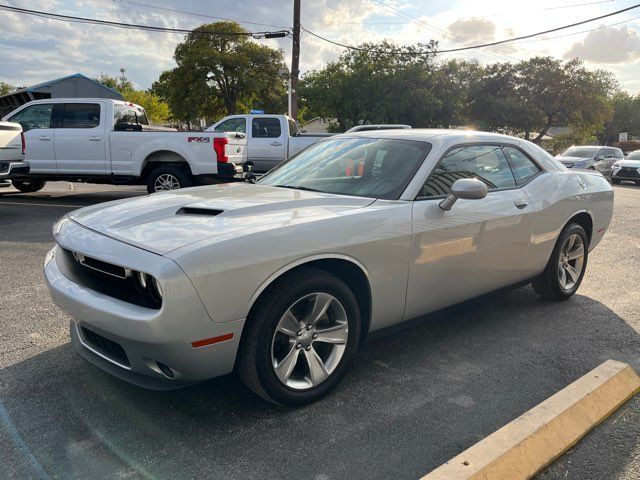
x: 372, y: 86
x: 625, y: 117
x: 533, y: 95
x: 6, y: 88
x: 221, y: 74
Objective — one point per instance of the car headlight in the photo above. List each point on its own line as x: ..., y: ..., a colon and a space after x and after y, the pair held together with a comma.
x: 148, y: 285
x: 616, y: 165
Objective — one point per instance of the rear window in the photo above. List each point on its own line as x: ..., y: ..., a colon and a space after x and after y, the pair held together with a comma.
x: 80, y: 115
x: 129, y: 114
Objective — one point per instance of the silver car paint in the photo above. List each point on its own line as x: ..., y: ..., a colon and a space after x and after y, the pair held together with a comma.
x: 416, y: 257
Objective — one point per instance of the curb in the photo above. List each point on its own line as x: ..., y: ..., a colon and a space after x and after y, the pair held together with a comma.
x: 532, y: 441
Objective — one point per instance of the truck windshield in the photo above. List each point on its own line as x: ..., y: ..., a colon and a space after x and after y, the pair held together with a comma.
x: 124, y: 113
x: 365, y: 167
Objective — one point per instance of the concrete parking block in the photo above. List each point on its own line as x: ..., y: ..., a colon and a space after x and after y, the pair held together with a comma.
x: 532, y: 441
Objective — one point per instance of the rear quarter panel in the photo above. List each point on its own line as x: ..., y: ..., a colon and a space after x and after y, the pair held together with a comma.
x: 556, y: 198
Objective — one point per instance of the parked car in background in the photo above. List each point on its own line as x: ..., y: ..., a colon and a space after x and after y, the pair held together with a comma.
x: 109, y: 141
x: 591, y: 157
x: 281, y: 280
x: 271, y: 139
x: 627, y: 169
x: 368, y: 128
x: 11, y: 152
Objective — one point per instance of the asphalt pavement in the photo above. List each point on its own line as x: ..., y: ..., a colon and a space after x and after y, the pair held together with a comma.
x: 414, y: 398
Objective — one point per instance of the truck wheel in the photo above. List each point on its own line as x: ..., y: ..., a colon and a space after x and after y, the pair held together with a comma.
x: 28, y: 186
x: 168, y: 178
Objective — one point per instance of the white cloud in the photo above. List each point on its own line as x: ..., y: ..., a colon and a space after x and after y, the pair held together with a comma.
x: 610, y: 45
x: 473, y: 29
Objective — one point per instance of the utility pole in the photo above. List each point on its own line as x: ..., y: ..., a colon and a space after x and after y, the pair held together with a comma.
x: 295, y: 62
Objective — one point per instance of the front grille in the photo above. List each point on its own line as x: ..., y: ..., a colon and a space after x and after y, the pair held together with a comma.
x: 628, y: 172
x: 106, y: 347
x: 106, y: 278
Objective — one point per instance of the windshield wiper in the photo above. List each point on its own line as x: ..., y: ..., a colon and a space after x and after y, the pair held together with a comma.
x: 299, y: 187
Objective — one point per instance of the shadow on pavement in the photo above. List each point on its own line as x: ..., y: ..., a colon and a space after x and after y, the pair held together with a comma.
x: 413, y: 400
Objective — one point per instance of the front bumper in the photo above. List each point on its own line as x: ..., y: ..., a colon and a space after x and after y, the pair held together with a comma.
x: 150, y: 339
x: 13, y: 169
x: 626, y: 173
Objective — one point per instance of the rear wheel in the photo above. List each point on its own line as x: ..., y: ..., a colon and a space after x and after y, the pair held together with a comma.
x: 300, y: 338
x: 28, y: 186
x: 168, y: 177
x: 565, y: 269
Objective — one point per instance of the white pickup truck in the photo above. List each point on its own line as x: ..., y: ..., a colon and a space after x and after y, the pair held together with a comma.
x: 11, y: 152
x: 271, y: 139
x: 109, y: 141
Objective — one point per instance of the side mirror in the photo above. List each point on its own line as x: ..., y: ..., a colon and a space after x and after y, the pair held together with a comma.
x: 466, y: 189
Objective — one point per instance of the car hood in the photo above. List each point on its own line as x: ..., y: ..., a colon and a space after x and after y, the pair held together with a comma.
x: 163, y: 222
x: 573, y: 159
x: 629, y: 163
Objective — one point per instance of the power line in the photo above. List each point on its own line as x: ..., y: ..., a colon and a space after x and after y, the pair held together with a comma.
x: 196, y: 14
x: 483, y: 45
x: 133, y: 26
x: 602, y: 27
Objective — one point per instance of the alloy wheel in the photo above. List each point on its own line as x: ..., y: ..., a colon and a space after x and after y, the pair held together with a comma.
x: 309, y: 341
x: 166, y: 181
x: 571, y: 261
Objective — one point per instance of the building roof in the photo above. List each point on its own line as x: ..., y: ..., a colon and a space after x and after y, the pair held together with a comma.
x: 39, y: 86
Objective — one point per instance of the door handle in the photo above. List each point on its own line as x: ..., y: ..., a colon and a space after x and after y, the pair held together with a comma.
x: 521, y: 203
x: 95, y: 139
x: 276, y: 144
x: 44, y: 138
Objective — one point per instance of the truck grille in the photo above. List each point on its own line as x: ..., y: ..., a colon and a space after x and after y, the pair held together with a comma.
x: 110, y: 349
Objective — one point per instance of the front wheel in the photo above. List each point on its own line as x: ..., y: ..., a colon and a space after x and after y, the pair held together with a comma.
x: 168, y: 178
x: 565, y: 269
x: 615, y: 181
x: 300, y: 338
x: 28, y: 186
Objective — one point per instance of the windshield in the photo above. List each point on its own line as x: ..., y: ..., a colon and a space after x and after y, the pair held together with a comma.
x: 580, y: 152
x: 365, y: 167
x: 634, y: 155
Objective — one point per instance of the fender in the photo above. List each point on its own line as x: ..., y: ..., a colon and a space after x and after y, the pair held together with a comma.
x: 301, y: 261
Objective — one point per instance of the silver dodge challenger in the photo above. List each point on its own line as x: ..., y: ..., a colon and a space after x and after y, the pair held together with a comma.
x: 282, y: 279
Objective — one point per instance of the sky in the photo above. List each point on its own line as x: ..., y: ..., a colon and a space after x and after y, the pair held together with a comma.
x: 34, y: 49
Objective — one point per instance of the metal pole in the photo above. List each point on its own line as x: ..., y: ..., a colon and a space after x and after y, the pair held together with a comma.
x: 289, y: 97
x: 295, y: 62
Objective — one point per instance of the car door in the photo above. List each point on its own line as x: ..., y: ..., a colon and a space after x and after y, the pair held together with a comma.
x: 477, y: 246
x: 36, y: 121
x: 267, y: 145
x: 80, y: 143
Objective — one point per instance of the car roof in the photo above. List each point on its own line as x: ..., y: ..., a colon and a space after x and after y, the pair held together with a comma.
x: 436, y: 134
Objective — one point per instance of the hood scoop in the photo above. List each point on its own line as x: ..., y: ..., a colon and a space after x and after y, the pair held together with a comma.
x: 206, y: 212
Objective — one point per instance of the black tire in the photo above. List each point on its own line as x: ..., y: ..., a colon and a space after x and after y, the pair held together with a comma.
x: 547, y: 284
x: 28, y: 186
x: 255, y: 367
x: 182, y: 178
x: 615, y: 181
x: 637, y: 183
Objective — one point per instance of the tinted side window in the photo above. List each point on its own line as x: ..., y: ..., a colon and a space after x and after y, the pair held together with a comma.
x: 265, y: 128
x: 484, y: 162
x: 35, y: 116
x: 238, y: 125
x: 80, y: 115
x: 129, y: 114
x: 523, y: 168
x: 617, y: 153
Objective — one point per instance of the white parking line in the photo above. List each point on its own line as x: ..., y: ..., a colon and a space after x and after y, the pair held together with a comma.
x: 42, y: 204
